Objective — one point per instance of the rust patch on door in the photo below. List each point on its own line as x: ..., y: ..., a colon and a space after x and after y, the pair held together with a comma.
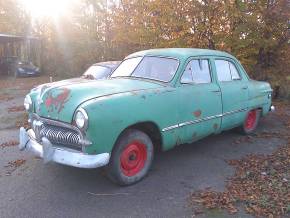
x: 197, y: 113
x: 57, y: 102
x: 215, y: 126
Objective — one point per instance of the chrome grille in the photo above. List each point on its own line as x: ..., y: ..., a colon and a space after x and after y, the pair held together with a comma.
x: 58, y: 135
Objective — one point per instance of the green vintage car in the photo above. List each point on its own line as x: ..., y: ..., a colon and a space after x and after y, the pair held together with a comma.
x: 155, y: 99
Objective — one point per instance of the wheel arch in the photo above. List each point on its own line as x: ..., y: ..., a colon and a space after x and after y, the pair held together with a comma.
x: 151, y: 129
x: 260, y: 109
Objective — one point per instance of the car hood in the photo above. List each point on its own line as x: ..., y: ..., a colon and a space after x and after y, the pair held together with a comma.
x: 59, y: 100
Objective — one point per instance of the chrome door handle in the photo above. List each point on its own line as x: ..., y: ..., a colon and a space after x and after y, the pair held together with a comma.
x: 245, y: 87
x: 216, y: 91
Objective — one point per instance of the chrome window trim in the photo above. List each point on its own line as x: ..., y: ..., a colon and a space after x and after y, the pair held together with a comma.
x: 202, y: 119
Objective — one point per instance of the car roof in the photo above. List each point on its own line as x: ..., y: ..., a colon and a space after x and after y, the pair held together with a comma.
x: 110, y: 64
x: 180, y: 53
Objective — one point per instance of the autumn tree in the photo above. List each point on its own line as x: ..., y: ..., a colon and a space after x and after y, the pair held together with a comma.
x: 256, y: 32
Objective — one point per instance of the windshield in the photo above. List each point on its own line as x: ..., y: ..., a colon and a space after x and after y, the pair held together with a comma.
x: 155, y: 68
x: 27, y: 63
x: 97, y: 72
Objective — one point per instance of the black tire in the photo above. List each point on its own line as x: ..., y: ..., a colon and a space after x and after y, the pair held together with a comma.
x: 116, y: 170
x: 247, y: 129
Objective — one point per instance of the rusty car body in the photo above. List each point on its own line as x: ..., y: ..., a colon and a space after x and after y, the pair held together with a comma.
x: 158, y: 98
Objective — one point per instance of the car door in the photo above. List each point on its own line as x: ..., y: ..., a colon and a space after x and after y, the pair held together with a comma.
x: 234, y: 90
x: 200, y: 105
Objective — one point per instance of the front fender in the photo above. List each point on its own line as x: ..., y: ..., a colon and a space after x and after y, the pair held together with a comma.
x: 110, y: 115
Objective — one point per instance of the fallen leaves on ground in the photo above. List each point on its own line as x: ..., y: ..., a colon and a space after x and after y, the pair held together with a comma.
x: 266, y: 134
x: 22, y: 83
x: 5, y: 98
x: 16, y: 109
x: 261, y: 183
x: 243, y: 139
x: 22, y: 122
x: 9, y: 144
x: 16, y: 163
x: 13, y: 165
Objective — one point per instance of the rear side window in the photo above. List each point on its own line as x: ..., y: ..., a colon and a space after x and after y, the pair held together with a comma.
x: 197, y: 71
x: 226, y: 71
x: 234, y: 72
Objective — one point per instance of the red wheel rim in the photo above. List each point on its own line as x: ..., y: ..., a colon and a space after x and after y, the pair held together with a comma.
x: 133, y: 158
x: 251, y: 120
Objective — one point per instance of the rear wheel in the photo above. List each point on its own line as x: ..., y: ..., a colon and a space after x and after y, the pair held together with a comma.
x: 251, y: 122
x: 131, y: 158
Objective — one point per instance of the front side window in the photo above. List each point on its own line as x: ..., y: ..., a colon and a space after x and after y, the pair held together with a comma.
x: 226, y: 71
x: 155, y: 68
x: 196, y: 71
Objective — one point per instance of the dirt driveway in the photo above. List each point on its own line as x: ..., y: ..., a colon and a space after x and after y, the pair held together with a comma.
x: 31, y: 189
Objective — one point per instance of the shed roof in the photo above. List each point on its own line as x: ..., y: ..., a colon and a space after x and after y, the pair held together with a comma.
x: 5, y: 38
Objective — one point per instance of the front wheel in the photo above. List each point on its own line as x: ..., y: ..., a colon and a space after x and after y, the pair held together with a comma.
x: 131, y: 158
x: 251, y: 122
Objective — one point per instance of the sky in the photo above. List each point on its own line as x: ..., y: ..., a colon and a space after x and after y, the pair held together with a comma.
x: 46, y: 8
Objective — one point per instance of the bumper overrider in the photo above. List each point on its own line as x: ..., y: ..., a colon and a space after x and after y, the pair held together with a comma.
x: 46, y: 150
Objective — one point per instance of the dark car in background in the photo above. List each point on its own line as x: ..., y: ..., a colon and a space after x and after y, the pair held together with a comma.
x: 26, y: 68
x: 101, y: 70
x: 12, y: 66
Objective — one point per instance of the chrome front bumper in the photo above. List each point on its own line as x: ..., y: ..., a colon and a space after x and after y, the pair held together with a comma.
x: 59, y: 155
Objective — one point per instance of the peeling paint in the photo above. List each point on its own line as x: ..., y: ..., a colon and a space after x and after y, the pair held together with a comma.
x: 197, y: 113
x: 178, y: 141
x: 194, y: 135
x: 134, y: 93
x: 157, y: 91
x: 215, y: 126
x: 117, y: 121
x: 168, y: 91
x: 57, y: 102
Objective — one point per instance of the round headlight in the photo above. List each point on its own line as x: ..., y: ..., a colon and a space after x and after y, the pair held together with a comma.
x: 81, y: 119
x: 27, y: 102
